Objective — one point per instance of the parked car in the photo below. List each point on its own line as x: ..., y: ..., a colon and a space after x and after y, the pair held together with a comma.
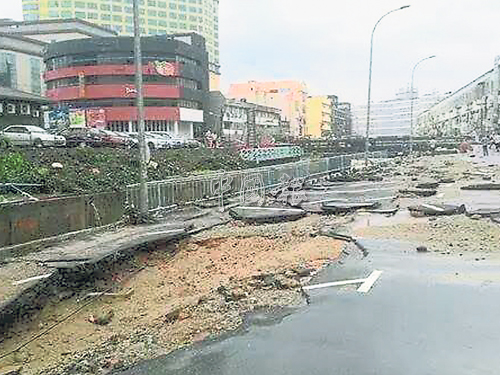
x: 153, y: 141
x: 28, y: 135
x: 132, y: 141
x: 113, y: 139
x: 83, y: 137
x: 171, y: 141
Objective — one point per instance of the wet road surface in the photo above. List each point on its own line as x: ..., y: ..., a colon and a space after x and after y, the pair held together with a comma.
x: 426, y: 314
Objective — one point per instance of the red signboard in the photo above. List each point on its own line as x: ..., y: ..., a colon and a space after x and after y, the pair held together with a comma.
x: 163, y: 68
x: 96, y: 118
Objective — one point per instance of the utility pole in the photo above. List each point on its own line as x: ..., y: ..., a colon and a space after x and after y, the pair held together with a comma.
x: 143, y: 171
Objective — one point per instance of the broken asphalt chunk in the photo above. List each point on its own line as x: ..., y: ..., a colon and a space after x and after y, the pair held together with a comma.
x: 427, y: 185
x: 266, y: 214
x: 338, y: 207
x: 436, y: 209
x: 481, y: 187
x: 419, y: 192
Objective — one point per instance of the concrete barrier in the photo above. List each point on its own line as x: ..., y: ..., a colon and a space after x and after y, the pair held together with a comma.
x: 29, y: 221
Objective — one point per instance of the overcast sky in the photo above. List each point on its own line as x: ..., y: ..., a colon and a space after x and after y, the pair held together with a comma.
x: 325, y: 43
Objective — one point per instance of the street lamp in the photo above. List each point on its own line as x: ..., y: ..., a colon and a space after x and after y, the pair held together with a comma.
x: 367, y: 140
x: 412, y: 98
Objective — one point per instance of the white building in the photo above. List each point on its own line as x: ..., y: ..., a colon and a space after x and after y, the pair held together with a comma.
x: 392, y: 117
x: 237, y: 120
x: 472, y: 110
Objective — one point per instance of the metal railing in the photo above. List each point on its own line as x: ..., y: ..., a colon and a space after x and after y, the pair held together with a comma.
x: 187, y: 190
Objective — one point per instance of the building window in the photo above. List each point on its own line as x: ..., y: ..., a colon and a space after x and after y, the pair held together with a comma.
x: 79, y: 4
x: 172, y: 5
x: 152, y: 22
x: 66, y: 4
x: 105, y: 17
x: 25, y: 109
x: 80, y: 14
x: 36, y: 71
x: 182, y: 17
x: 92, y: 5
x: 129, y: 20
x: 152, y: 3
x: 30, y: 6
x: 11, y: 109
x: 152, y: 31
x: 162, y: 23
x: 8, y: 70
x: 162, y: 14
x: 53, y: 3
x: 129, y: 29
x: 162, y: 4
x: 106, y: 7
x: 117, y: 8
x: 173, y: 15
x: 193, y: 18
x: 117, y: 18
x: 92, y: 16
x: 31, y: 17
x: 66, y: 14
x: 53, y: 14
x: 182, y: 8
x: 151, y: 13
x: 117, y: 28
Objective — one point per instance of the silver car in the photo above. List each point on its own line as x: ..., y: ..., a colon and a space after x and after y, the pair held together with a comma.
x: 28, y: 135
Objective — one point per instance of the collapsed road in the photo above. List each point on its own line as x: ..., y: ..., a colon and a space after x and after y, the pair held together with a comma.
x: 170, y: 295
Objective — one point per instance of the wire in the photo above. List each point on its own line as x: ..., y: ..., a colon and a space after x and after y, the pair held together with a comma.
x: 43, y: 333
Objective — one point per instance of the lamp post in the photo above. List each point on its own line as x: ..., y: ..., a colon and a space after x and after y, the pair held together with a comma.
x: 367, y: 140
x: 412, y: 99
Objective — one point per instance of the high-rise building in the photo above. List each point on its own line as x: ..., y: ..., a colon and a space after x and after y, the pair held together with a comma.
x: 157, y: 17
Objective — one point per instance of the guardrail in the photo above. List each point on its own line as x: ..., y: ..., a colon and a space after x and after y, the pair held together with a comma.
x: 187, y: 190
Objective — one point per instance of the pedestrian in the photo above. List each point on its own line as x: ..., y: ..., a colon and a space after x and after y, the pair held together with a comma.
x: 485, y: 144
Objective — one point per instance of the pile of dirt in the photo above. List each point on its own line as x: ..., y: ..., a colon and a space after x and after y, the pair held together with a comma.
x: 192, y: 290
x: 83, y: 170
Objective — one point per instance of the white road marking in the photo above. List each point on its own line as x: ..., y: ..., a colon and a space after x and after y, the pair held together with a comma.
x: 366, y: 286
x: 334, y: 283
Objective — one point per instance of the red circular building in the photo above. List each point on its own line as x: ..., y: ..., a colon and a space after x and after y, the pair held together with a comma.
x: 96, y: 77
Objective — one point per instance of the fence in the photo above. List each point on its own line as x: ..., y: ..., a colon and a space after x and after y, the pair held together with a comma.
x: 188, y: 190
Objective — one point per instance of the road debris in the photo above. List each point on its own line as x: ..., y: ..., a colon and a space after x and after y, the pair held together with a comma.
x: 422, y: 249
x: 481, y: 187
x: 419, y: 192
x: 266, y: 214
x: 102, y: 318
x: 425, y: 209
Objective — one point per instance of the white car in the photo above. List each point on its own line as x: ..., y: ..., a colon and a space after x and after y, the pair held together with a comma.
x: 154, y: 142
x: 28, y: 135
x: 171, y: 141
